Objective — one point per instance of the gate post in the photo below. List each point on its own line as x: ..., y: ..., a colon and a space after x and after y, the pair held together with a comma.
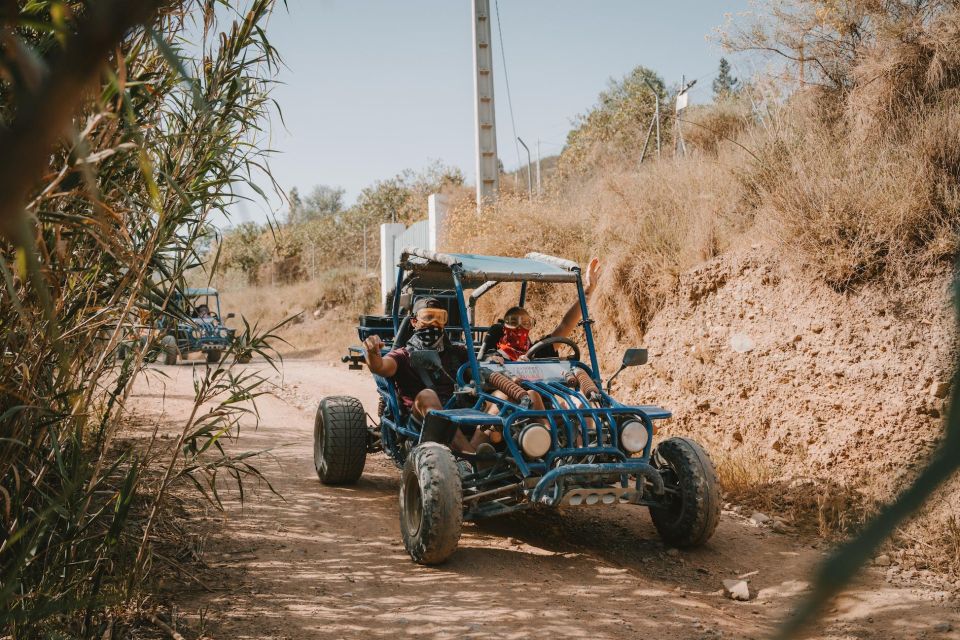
x: 388, y: 258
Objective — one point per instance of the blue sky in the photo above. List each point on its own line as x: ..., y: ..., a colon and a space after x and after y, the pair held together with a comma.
x: 372, y: 87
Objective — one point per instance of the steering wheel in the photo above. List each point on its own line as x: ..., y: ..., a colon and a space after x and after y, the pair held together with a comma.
x: 546, y: 342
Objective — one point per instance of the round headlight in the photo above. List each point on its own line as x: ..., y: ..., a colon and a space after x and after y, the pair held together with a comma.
x: 633, y: 436
x: 534, y: 440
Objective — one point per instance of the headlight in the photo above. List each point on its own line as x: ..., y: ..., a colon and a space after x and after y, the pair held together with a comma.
x: 633, y: 436
x: 535, y: 440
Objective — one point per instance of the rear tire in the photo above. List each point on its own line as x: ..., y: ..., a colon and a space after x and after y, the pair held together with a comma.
x: 340, y: 440
x: 689, y: 517
x: 213, y: 357
x: 170, y: 350
x: 431, y: 504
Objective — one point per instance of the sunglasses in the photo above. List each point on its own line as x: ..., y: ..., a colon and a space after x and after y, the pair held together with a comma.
x: 523, y: 320
x: 432, y: 316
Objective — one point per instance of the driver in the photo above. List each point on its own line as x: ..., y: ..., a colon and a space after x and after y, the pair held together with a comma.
x: 510, y: 337
x: 428, y: 320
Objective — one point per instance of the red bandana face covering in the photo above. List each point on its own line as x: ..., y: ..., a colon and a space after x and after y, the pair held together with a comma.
x: 515, y: 342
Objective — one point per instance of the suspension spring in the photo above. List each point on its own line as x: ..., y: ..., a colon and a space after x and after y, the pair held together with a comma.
x: 503, y: 383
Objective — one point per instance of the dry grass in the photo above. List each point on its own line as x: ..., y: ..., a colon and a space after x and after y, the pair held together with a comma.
x: 813, y: 506
x: 339, y: 295
x: 647, y: 226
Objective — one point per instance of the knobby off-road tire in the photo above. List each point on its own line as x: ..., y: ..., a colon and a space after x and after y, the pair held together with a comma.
x: 170, y: 351
x: 689, y: 518
x: 340, y: 440
x: 213, y: 357
x: 431, y: 503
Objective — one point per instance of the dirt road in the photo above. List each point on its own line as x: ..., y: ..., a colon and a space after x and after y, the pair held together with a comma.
x: 327, y: 562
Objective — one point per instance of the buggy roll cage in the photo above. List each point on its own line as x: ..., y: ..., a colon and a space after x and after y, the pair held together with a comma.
x: 460, y: 271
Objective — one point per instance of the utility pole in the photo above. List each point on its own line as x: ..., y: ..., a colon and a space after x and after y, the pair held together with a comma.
x: 539, y: 188
x: 655, y: 121
x: 488, y: 175
x: 529, y: 163
x: 682, y: 99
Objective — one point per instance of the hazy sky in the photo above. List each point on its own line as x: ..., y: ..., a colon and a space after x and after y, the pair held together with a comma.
x: 373, y: 87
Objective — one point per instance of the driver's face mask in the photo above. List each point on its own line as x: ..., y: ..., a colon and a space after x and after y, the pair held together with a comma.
x: 429, y: 337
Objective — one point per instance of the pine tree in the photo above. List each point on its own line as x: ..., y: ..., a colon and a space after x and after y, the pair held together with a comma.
x: 725, y: 84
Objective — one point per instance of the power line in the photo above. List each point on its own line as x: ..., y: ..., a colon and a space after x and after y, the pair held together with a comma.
x: 506, y: 79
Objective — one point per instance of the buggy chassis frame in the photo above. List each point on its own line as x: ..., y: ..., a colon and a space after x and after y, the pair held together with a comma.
x: 514, y: 482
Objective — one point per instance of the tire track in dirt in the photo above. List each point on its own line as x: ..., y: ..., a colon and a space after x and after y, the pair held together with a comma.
x: 327, y: 562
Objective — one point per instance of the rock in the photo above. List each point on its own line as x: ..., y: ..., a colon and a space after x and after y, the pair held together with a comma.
x: 736, y: 589
x: 779, y: 526
x: 741, y: 343
x: 317, y: 314
x: 943, y: 627
x: 672, y: 552
x: 797, y: 338
x: 883, y: 560
x: 703, y: 404
x: 939, y: 389
x: 817, y: 327
x: 759, y: 519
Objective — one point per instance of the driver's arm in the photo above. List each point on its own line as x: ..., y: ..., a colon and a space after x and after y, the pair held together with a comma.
x: 386, y: 367
x: 574, y: 314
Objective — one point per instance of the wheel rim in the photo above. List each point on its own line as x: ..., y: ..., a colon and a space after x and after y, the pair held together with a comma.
x: 412, y: 504
x: 318, y: 458
x: 672, y: 504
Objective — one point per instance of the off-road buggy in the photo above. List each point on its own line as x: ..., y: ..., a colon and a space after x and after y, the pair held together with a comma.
x: 194, y: 324
x: 585, y: 448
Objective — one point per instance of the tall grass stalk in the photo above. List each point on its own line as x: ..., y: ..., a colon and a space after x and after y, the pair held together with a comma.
x: 158, y: 145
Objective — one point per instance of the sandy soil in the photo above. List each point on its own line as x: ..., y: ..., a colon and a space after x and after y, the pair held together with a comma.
x: 327, y: 562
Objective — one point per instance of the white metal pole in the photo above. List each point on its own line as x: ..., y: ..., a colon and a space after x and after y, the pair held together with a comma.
x: 529, y: 163
x: 539, y: 189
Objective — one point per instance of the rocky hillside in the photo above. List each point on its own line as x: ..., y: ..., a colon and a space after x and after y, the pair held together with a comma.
x: 785, y: 379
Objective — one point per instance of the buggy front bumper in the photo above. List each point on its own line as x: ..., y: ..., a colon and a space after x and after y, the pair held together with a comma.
x: 605, y: 470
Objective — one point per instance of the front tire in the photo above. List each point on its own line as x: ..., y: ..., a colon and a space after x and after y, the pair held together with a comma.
x: 340, y: 440
x: 431, y: 504
x: 213, y: 357
x: 689, y: 516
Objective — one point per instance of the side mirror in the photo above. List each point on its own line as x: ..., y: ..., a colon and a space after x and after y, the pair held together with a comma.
x: 426, y: 358
x: 231, y: 315
x: 634, y: 357
x: 631, y: 358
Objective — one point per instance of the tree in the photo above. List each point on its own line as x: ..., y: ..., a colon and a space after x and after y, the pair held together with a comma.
x: 618, y: 123
x: 242, y: 250
x: 725, y: 85
x: 296, y: 205
x: 323, y: 201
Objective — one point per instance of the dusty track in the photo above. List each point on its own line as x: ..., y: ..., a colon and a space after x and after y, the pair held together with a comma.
x: 327, y: 562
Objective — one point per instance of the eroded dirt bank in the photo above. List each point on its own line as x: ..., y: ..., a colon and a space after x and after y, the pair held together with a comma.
x: 756, y: 357
x: 325, y: 562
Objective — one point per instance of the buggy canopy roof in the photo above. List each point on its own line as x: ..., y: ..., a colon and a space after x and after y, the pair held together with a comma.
x: 204, y: 291
x: 434, y: 267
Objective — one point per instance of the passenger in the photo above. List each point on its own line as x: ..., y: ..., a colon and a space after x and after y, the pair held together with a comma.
x: 428, y: 321
x: 510, y: 337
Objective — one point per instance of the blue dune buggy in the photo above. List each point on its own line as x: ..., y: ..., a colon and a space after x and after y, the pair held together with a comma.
x: 584, y: 448
x: 193, y: 325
